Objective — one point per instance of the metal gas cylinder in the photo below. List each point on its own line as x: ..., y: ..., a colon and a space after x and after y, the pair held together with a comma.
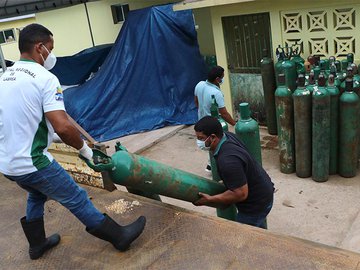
x: 280, y: 57
x: 323, y: 64
x: 140, y: 173
x: 231, y: 211
x: 350, y: 74
x: 269, y: 87
x: 348, y: 131
x: 344, y: 65
x: 307, y: 67
x: 247, y: 130
x: 214, y: 110
x: 317, y: 72
x: 356, y: 78
x: 333, y: 70
x: 334, y: 121
x: 350, y: 58
x: 302, y: 123
x: 320, y: 131
x: 311, y: 82
x: 285, y: 123
x: 287, y: 68
x: 297, y: 59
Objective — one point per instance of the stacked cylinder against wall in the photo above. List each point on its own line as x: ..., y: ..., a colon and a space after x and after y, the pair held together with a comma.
x: 317, y: 108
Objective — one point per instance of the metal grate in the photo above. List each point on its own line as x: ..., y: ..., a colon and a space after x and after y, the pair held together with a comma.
x: 245, y: 38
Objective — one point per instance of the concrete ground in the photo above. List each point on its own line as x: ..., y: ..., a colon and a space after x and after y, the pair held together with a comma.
x: 176, y: 238
x: 326, y: 213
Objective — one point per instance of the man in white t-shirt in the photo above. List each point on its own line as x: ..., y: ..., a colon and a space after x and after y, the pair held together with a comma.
x: 31, y: 109
x: 204, y: 91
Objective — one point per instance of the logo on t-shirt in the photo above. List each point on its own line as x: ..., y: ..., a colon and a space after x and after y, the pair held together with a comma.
x: 59, y: 94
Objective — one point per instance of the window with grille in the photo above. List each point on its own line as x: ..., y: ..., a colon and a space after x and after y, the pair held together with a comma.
x: 245, y: 38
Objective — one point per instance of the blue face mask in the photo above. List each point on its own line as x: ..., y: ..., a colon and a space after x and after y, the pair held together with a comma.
x: 222, y: 81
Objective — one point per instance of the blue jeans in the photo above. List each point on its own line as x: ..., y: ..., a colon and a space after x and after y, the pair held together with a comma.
x: 55, y: 183
x: 257, y: 220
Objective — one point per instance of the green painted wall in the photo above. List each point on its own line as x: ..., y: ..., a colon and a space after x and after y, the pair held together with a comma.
x: 248, y: 88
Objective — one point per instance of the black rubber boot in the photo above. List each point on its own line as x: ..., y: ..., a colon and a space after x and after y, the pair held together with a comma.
x: 120, y: 236
x: 35, y: 234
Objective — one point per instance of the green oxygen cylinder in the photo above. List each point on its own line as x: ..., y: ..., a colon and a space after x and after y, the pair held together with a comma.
x: 348, y: 131
x: 214, y: 110
x: 231, y: 211
x: 311, y: 82
x: 280, y: 57
x: 247, y: 130
x: 334, y: 121
x: 286, y: 66
x: 350, y: 58
x: 349, y: 74
x: 297, y: 59
x: 141, y: 173
x: 333, y: 71
x: 344, y: 66
x: 302, y: 122
x: 269, y: 87
x: 317, y: 72
x: 320, y: 132
x: 285, y: 123
x: 356, y: 78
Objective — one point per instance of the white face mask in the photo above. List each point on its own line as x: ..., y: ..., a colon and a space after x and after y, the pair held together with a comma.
x: 50, y: 60
x: 221, y: 82
x: 201, y: 144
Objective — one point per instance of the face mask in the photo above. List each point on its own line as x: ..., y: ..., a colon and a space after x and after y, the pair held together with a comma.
x: 201, y: 144
x: 50, y: 60
x: 221, y: 82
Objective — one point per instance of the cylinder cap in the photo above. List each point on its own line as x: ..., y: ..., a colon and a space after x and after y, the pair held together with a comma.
x: 312, y: 78
x: 244, y: 110
x: 311, y: 59
x: 338, y: 65
x: 301, y: 80
x: 281, y: 79
x: 331, y: 80
x: 349, y: 84
x: 321, y: 80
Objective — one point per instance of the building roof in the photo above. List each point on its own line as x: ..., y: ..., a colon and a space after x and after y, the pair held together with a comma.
x: 12, y: 8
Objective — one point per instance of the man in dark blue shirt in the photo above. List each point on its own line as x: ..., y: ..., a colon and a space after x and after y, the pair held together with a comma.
x: 248, y: 185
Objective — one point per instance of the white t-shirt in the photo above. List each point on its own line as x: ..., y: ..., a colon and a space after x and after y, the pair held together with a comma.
x: 203, y: 91
x: 27, y: 92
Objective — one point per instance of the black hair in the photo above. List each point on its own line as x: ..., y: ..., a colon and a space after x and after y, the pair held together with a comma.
x: 32, y: 34
x: 215, y: 72
x: 209, y: 125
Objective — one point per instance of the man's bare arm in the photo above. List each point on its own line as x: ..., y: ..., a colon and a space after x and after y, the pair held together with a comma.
x: 226, y: 116
x: 63, y: 127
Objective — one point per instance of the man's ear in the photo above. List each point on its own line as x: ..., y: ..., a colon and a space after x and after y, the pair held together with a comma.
x: 213, y: 136
x: 37, y: 47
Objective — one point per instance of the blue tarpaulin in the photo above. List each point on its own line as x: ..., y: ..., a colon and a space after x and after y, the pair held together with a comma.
x: 147, y: 80
x: 75, y: 69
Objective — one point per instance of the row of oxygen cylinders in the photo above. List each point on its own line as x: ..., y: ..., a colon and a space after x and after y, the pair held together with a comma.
x: 318, y: 129
x: 317, y: 121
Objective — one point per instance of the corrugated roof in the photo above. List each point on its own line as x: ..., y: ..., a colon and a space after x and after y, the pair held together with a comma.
x: 11, y: 8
